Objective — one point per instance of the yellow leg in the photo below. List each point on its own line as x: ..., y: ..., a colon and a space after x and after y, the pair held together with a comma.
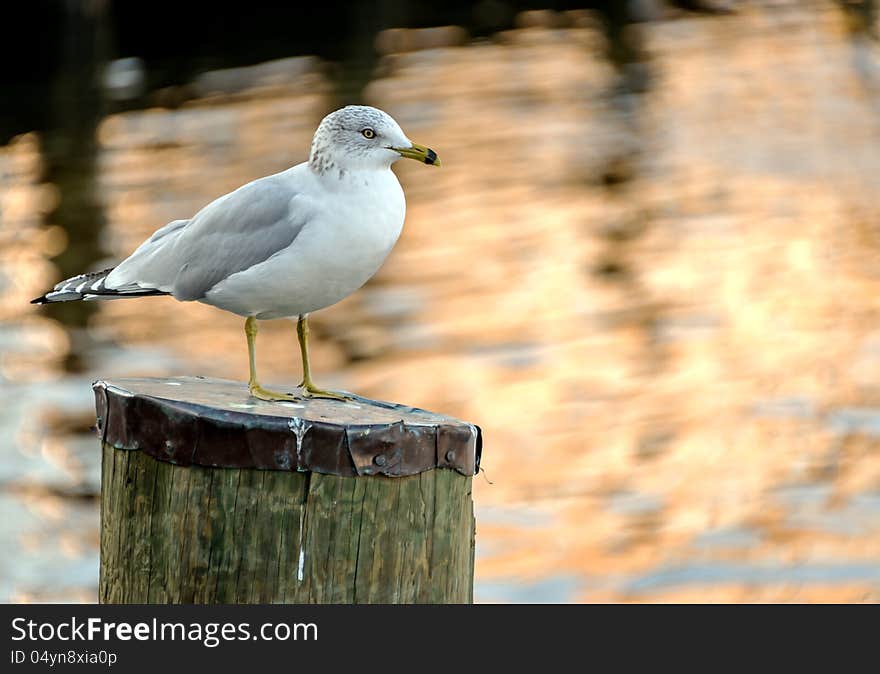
x: 307, y: 387
x: 257, y: 391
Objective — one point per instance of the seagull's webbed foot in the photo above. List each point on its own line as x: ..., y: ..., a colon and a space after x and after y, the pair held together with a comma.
x: 261, y: 393
x: 309, y: 390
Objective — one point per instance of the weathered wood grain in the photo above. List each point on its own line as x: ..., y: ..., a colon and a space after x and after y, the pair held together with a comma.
x: 193, y: 534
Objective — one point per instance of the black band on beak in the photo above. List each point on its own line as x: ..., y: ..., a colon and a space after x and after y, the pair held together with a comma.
x: 430, y: 156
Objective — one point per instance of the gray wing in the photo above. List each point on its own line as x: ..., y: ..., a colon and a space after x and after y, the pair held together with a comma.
x: 229, y: 235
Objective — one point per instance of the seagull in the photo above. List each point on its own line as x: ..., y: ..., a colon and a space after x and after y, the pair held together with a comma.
x: 281, y: 246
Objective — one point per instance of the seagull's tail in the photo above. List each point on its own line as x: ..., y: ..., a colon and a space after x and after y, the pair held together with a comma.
x: 91, y: 287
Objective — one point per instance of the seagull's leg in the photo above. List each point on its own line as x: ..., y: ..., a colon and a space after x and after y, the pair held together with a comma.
x: 307, y: 387
x: 257, y: 391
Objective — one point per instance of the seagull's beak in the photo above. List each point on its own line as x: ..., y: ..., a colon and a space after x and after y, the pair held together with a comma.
x: 420, y: 153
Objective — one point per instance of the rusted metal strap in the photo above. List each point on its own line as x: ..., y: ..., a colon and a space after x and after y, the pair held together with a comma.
x: 212, y: 422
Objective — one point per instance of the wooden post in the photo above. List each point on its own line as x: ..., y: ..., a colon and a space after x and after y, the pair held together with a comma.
x: 211, y: 496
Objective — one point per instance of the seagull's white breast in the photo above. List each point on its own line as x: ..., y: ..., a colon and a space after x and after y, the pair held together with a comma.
x: 354, y: 223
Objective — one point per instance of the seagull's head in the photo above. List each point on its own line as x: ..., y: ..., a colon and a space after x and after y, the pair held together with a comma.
x: 359, y: 137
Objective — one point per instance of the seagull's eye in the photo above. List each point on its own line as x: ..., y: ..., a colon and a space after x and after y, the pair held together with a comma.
x: 369, y: 133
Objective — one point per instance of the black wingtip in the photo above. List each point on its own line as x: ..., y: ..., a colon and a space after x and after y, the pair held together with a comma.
x: 40, y: 300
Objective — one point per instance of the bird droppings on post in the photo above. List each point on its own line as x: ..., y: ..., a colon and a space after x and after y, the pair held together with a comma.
x: 299, y: 427
x: 301, y: 559
x: 300, y: 567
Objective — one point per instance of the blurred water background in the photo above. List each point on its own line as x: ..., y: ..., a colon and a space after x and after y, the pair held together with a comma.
x: 649, y: 269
